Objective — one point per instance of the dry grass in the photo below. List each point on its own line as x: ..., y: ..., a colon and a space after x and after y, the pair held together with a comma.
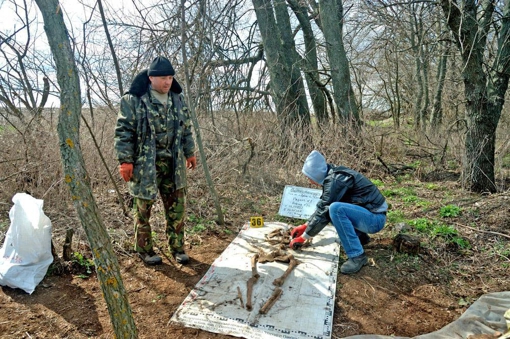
x: 245, y: 156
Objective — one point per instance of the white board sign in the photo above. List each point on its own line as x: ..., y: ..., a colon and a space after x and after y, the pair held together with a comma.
x: 299, y: 202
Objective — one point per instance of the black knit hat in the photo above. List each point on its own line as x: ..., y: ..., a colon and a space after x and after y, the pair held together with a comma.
x: 161, y: 66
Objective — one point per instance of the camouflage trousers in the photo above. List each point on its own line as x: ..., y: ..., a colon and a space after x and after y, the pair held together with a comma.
x: 174, y: 203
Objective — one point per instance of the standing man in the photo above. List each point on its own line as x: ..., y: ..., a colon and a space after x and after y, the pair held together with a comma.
x: 351, y: 202
x: 154, y: 146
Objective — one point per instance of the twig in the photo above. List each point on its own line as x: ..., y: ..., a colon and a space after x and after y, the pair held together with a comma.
x: 482, y: 231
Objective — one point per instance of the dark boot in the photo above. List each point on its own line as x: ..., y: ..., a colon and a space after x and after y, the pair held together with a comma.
x: 353, y: 265
x: 181, y: 257
x: 150, y: 258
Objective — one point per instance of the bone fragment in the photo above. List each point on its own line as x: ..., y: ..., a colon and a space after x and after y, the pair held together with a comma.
x: 292, y: 264
x: 278, y: 236
x: 240, y: 296
x: 254, y: 277
x: 270, y: 302
x: 276, y: 255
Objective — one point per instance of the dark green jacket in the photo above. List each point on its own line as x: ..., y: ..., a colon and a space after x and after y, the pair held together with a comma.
x: 146, y: 132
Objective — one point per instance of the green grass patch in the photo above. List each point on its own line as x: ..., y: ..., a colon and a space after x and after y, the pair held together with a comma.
x: 450, y: 211
x: 199, y: 225
x: 433, y: 187
x: 452, y: 165
x: 461, y: 242
x: 410, y: 200
x: 506, y: 161
x: 85, y: 263
x: 423, y: 225
x: 395, y: 216
x: 423, y: 204
x: 377, y: 182
x: 444, y: 231
x: 399, y: 192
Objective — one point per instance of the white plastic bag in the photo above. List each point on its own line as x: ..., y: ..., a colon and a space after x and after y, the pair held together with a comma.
x: 26, y: 253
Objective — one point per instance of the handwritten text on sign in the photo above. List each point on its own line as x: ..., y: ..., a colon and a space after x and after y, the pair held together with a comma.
x: 299, y: 202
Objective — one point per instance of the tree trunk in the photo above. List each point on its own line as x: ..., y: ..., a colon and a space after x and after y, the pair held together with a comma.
x: 191, y: 105
x: 331, y: 16
x: 436, y: 118
x: 284, y: 87
x: 292, y: 61
x: 309, y: 63
x: 484, y: 92
x: 107, y: 266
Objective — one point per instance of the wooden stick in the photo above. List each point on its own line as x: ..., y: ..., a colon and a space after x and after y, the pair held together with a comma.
x: 292, y: 264
x: 270, y: 302
x: 483, y: 231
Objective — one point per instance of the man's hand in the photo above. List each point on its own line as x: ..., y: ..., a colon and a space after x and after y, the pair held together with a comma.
x: 191, y: 162
x: 298, y: 231
x: 297, y: 243
x: 126, y: 171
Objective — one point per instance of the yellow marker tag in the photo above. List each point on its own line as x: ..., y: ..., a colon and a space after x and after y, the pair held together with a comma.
x: 256, y: 222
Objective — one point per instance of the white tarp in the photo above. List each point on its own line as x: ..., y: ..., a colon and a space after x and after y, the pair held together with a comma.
x: 304, y: 310
x: 485, y: 316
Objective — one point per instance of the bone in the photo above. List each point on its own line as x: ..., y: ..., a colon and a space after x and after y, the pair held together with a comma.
x: 292, y: 264
x: 240, y: 296
x: 276, y: 255
x: 254, y: 277
x: 278, y: 236
x: 270, y: 302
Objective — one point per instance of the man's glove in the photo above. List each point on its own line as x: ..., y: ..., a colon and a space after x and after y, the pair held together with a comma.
x: 191, y: 162
x: 298, y: 231
x: 126, y: 171
x: 297, y: 243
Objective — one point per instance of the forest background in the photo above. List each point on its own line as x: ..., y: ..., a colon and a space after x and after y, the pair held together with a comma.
x: 400, y: 91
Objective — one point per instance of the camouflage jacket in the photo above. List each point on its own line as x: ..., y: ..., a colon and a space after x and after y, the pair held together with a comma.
x: 146, y: 132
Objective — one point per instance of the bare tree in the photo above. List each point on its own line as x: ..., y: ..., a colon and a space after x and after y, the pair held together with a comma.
x: 444, y: 43
x: 331, y: 22
x: 286, y: 86
x: 474, y: 24
x: 107, y: 266
x: 21, y: 88
x: 309, y: 62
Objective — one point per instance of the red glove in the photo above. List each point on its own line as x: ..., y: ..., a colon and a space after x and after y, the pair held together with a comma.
x: 297, y: 243
x: 298, y: 231
x: 191, y: 162
x: 126, y: 171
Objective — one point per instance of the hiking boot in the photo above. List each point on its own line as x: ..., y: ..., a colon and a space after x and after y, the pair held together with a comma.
x: 181, y: 257
x: 353, y: 265
x: 150, y: 258
x: 363, y: 238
